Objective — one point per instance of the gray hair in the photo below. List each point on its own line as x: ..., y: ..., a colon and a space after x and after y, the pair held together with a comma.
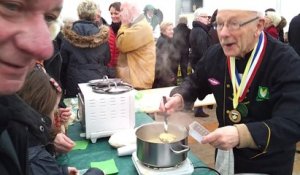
x: 182, y: 20
x: 200, y: 12
x: 274, y: 17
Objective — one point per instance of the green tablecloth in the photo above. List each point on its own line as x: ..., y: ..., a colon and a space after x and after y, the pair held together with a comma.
x: 101, y: 150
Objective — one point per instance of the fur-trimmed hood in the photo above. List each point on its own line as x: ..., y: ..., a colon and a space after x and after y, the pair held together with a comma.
x: 85, y: 34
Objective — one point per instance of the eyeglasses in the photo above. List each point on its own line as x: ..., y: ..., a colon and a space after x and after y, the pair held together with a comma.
x: 231, y: 25
x: 208, y: 17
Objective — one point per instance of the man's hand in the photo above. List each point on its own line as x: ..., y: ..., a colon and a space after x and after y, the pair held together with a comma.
x: 62, y: 143
x: 173, y: 103
x: 223, y: 138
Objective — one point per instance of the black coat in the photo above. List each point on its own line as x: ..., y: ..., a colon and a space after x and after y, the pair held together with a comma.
x: 25, y: 128
x: 25, y: 143
x: 85, y: 53
x: 182, y: 45
x: 199, y: 42
x: 181, y: 38
x: 43, y: 163
x: 53, y: 64
x: 167, y: 60
x: 279, y: 75
x: 293, y: 34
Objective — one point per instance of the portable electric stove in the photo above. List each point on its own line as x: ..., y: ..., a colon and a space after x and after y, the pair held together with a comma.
x: 185, y: 168
x: 101, y: 113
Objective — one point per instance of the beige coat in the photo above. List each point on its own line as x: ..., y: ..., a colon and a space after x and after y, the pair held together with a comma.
x: 136, y: 62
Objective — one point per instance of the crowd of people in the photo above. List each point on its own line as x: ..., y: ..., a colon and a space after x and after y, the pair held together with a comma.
x: 239, y: 55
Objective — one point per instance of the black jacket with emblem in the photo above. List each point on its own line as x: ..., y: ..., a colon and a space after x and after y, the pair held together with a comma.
x: 23, y: 132
x: 276, y: 114
x: 85, y: 53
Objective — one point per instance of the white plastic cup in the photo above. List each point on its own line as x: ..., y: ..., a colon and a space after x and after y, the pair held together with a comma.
x: 197, y: 131
x: 126, y: 150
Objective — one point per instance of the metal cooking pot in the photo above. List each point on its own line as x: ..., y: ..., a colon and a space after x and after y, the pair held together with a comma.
x: 152, y: 152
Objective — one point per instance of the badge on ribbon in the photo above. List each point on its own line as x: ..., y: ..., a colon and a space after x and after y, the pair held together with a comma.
x: 241, y: 85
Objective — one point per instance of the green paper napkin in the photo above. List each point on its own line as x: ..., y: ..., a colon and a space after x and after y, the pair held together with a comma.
x: 138, y: 95
x: 107, y: 166
x: 81, y: 145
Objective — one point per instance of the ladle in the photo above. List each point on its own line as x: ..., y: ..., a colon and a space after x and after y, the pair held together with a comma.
x: 165, y: 116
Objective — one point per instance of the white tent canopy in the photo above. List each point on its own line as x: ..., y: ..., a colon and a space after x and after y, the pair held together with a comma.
x: 288, y: 9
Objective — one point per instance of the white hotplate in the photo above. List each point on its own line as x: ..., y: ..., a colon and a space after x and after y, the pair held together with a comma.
x: 185, y: 168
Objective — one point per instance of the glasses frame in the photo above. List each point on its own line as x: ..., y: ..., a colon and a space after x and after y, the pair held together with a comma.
x: 215, y: 24
x: 207, y: 17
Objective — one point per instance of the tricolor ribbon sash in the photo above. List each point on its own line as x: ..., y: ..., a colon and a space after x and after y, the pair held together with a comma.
x: 241, y: 86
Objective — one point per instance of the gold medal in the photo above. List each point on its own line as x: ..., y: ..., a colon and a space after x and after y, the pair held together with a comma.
x: 235, y: 116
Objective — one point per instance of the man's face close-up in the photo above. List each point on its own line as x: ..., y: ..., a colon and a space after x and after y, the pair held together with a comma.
x: 237, y: 39
x: 24, y: 38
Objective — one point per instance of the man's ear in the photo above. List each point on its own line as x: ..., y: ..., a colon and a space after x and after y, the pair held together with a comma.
x: 260, y: 26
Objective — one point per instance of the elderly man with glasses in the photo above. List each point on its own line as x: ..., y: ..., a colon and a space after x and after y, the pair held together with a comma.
x: 255, y: 81
x: 199, y: 40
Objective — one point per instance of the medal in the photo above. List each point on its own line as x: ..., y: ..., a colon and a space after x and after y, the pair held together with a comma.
x: 235, y: 116
x: 241, y: 83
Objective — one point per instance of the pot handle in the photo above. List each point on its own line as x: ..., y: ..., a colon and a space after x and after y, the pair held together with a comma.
x: 186, y: 149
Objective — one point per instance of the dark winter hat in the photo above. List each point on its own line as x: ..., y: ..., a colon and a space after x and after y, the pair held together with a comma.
x: 149, y: 7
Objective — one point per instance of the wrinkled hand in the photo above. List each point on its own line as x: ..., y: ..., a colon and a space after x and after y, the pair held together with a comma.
x: 62, y: 143
x: 173, y: 103
x: 64, y: 114
x: 126, y: 17
x: 223, y: 138
x: 73, y: 171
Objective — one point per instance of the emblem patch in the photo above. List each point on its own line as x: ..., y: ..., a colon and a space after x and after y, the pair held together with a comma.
x: 263, y: 93
x: 213, y: 82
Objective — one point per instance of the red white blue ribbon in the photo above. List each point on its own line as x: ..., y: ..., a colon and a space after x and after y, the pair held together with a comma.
x: 241, y: 86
